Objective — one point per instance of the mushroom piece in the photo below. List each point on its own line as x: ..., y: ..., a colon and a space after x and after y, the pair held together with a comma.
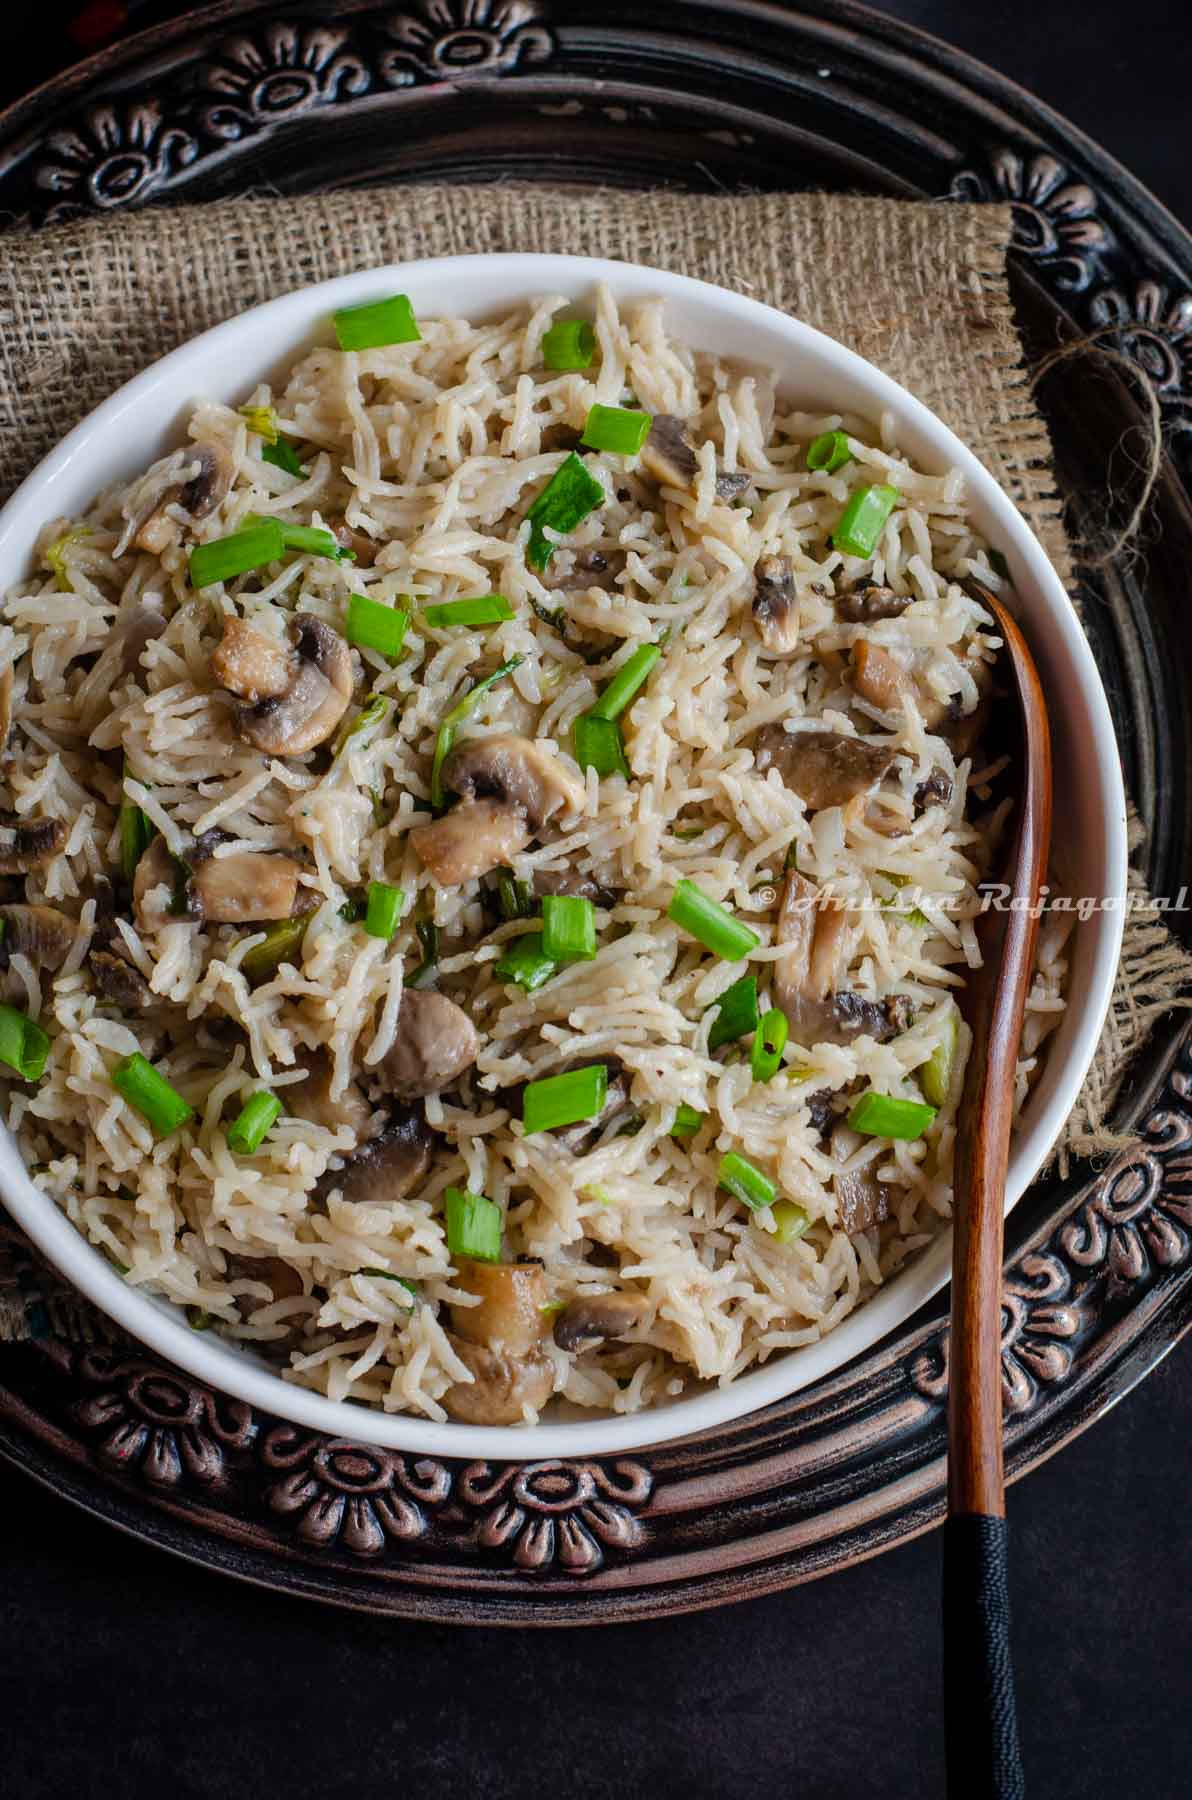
x: 251, y: 664
x: 825, y: 768
x: 589, y: 568
x: 861, y: 1200
x: 154, y: 888
x: 312, y: 1099
x: 363, y: 548
x: 866, y: 601
x: 879, y: 678
x: 27, y: 844
x: 514, y: 770
x: 502, y: 1386
x: 589, y: 1319
x: 119, y: 982
x: 669, y: 456
x: 936, y: 790
x: 41, y: 933
x: 510, y: 1315
x: 433, y: 1043
x: 470, y: 840
x: 310, y: 708
x: 805, y: 979
x: 776, y: 605
x: 196, y: 478
x: 882, y: 1020
x: 573, y: 885
x: 5, y: 707
x: 283, y: 1281
x: 248, y: 885
x: 389, y: 1166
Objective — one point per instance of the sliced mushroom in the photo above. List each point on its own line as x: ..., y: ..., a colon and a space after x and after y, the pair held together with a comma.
x: 196, y: 478
x: 27, y: 844
x: 776, y: 605
x: 821, y: 1112
x: 470, y: 840
x: 861, y: 1200
x: 589, y: 568
x: 936, y: 790
x: 513, y: 770
x: 856, y: 1015
x: 363, y: 548
x: 573, y: 884
x: 590, y: 1319
x: 879, y: 678
x: 5, y: 707
x: 510, y: 1315
x: 283, y: 1281
x: 155, y: 888
x: 312, y: 1099
x: 670, y: 457
x: 119, y: 982
x: 250, y: 664
x: 866, y: 602
x: 41, y: 933
x: 502, y: 1386
x: 433, y: 1043
x: 805, y: 980
x: 248, y: 885
x: 306, y: 714
x: 561, y: 436
x: 389, y: 1166
x: 825, y: 768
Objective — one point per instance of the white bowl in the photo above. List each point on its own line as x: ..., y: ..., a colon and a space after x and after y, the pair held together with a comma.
x: 146, y: 417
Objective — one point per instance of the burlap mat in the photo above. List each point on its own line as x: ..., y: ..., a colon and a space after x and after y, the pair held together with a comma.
x: 919, y: 289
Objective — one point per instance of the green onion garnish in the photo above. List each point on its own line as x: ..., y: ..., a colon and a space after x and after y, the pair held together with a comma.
x: 569, y: 344
x: 151, y: 1095
x: 371, y: 713
x: 373, y: 626
x: 863, y: 519
x: 281, y: 943
x: 136, y: 835
x: 568, y: 928
x: 484, y: 609
x: 428, y: 937
x: 222, y: 558
x: 737, y: 1012
x: 474, y: 1226
x: 310, y: 540
x: 790, y: 1220
x: 624, y: 685
x: 377, y: 323
x: 198, y: 1320
x: 616, y: 429
x: 687, y: 1121
x: 257, y: 1117
x: 564, y: 1099
x: 935, y: 1075
x: 829, y: 452
x: 746, y: 1183
x: 569, y: 496
x: 766, y: 1058
x: 455, y: 718
x: 525, y: 962
x: 283, y: 456
x: 711, y: 923
x: 885, y: 1115
x: 262, y: 420
x: 385, y: 1275
x: 514, y: 897
x: 383, y: 910
x: 598, y: 745
x: 24, y: 1046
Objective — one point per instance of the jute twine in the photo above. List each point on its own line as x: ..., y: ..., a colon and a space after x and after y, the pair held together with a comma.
x: 919, y: 289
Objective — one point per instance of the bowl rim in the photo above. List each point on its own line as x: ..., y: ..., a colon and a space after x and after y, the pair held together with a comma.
x: 288, y: 319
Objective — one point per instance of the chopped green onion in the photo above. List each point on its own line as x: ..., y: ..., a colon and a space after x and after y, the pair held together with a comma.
x: 281, y: 943
x: 568, y: 928
x: 455, y: 718
x: 24, y: 1046
x: 376, y: 627
x: 428, y: 937
x: 790, y: 1220
x: 885, y: 1115
x: 384, y: 1275
x: 136, y: 835
x: 151, y: 1095
x: 687, y: 1121
x: 569, y: 496
x: 526, y: 963
x: 371, y: 713
x: 687, y: 834
x: 768, y: 1045
x: 250, y: 548
x: 565, y: 1099
x: 484, y: 609
x: 283, y: 456
x: 55, y: 556
x: 746, y: 1183
x: 474, y: 1226
x: 198, y: 1320
x: 829, y: 452
x: 377, y: 323
x: 999, y: 565
x: 737, y: 1012
x: 935, y: 1075
x: 262, y: 420
x: 569, y: 344
x: 259, y: 1115
x: 311, y: 540
x: 863, y: 519
x: 625, y: 683
x: 711, y: 923
x: 384, y: 909
x: 599, y: 745
x: 514, y: 897
x: 616, y: 429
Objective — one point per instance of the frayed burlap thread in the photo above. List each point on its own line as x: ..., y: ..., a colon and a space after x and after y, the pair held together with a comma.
x: 919, y: 288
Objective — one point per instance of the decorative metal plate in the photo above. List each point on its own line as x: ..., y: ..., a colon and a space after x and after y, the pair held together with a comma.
x: 720, y: 94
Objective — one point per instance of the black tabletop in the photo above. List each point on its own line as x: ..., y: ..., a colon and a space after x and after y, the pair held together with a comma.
x: 125, y: 1673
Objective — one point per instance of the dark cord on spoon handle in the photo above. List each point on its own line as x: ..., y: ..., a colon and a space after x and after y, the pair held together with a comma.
x: 983, y: 1757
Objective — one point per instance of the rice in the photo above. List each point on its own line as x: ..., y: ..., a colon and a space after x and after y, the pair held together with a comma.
x: 432, y: 452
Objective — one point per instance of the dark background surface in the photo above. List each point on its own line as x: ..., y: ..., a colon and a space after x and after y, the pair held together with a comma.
x: 125, y: 1673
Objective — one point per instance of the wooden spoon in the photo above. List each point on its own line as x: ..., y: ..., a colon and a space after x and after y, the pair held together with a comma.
x: 979, y: 1709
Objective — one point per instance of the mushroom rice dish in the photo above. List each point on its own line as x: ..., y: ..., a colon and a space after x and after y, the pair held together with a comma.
x: 490, y: 845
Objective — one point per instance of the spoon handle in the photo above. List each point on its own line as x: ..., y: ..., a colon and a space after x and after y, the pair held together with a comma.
x: 981, y: 1739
